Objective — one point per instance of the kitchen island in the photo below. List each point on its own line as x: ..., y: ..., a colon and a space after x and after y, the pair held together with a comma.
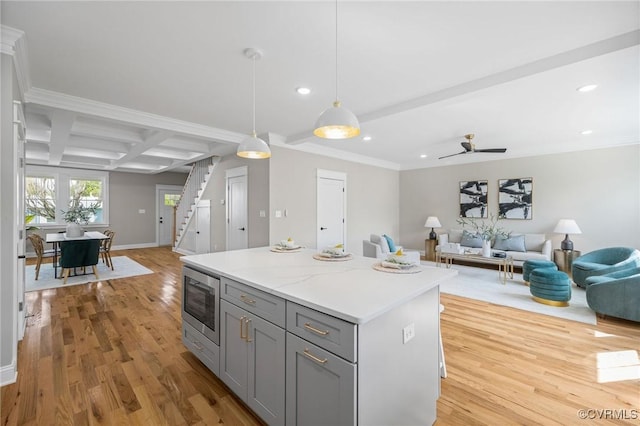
x: 307, y: 341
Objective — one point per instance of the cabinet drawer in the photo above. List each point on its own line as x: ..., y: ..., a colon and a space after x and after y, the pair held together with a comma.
x: 206, y: 351
x: 265, y: 305
x: 330, y: 333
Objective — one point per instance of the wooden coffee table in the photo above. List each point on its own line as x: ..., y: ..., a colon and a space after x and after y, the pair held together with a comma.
x: 505, y: 264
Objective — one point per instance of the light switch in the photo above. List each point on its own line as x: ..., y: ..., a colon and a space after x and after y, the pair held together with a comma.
x: 142, y: 211
x: 278, y: 213
x: 263, y: 213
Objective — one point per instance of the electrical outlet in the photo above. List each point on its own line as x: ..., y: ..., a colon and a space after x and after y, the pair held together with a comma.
x: 278, y: 213
x: 408, y: 333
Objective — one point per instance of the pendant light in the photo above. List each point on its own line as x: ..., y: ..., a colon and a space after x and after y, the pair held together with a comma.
x: 337, y: 122
x: 252, y: 146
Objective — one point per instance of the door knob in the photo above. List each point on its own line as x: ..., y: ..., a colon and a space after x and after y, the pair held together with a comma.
x: 241, y: 229
x: 322, y: 228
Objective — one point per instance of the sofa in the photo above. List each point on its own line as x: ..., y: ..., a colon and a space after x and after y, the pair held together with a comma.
x: 616, y: 294
x: 377, y: 246
x: 603, y: 261
x: 520, y: 247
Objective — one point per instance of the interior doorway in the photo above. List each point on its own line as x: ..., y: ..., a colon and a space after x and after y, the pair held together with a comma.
x: 331, y: 226
x: 237, y: 209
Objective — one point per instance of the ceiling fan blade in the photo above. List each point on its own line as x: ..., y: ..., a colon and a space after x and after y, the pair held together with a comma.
x: 492, y: 150
x: 451, y: 155
x: 467, y: 146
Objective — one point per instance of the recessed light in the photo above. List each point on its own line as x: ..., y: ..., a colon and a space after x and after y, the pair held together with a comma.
x: 587, y: 88
x: 303, y: 90
x: 586, y: 132
x: 423, y: 155
x: 366, y: 138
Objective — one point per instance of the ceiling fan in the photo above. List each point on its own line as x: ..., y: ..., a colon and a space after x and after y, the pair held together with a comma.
x: 470, y: 147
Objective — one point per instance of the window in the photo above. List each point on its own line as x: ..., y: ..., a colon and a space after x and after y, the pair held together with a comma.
x: 50, y: 192
x: 40, y: 199
x: 171, y: 199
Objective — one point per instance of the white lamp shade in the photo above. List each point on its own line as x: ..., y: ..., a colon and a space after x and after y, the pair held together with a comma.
x: 567, y: 226
x: 432, y: 222
x: 253, y: 147
x: 337, y: 122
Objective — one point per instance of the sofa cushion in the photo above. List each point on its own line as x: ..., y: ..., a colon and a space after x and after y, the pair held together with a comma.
x: 381, y: 241
x: 534, y: 242
x: 455, y: 236
x: 512, y: 243
x: 471, y: 240
x: 390, y: 243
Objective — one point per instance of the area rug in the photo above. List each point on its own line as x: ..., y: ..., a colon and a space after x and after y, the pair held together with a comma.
x: 484, y: 284
x: 122, y: 267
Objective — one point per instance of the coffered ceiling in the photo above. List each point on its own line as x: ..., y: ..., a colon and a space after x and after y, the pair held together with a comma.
x: 152, y: 86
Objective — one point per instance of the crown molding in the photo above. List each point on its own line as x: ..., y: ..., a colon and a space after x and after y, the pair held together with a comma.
x: 14, y: 43
x: 113, y: 112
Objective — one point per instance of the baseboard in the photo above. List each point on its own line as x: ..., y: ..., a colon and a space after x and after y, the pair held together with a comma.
x: 134, y: 246
x: 8, y: 374
x: 183, y: 251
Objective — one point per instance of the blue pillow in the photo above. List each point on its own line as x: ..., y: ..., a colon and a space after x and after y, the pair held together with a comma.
x: 392, y: 246
x: 470, y: 240
x: 514, y: 243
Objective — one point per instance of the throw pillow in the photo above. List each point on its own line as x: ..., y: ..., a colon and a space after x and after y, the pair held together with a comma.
x: 392, y: 246
x: 513, y: 243
x: 470, y: 240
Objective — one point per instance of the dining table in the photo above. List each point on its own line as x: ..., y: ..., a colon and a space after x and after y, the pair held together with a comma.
x: 56, y: 238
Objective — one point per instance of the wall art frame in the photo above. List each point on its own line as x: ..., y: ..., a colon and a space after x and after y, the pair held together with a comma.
x: 473, y: 199
x: 515, y: 198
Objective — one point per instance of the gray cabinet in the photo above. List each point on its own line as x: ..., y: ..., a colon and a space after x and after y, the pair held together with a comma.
x: 203, y: 348
x: 252, y: 361
x: 321, y: 387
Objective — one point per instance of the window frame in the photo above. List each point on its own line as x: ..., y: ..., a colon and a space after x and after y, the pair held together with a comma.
x: 62, y: 177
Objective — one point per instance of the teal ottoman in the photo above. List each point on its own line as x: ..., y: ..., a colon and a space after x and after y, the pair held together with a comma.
x: 550, y: 287
x: 529, y: 265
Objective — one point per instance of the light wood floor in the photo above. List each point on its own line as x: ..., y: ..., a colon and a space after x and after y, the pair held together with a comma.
x: 111, y: 353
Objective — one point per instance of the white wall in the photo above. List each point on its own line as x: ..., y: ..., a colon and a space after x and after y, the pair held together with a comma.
x: 258, y: 199
x: 373, y: 203
x: 8, y: 221
x: 600, y: 189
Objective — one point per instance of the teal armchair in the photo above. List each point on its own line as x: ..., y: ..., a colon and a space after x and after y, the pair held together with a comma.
x: 602, y: 262
x: 616, y: 294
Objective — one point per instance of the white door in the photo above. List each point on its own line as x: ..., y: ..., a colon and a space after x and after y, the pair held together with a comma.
x: 237, y: 227
x: 203, y: 227
x: 166, y: 196
x: 331, y: 209
x: 19, y: 136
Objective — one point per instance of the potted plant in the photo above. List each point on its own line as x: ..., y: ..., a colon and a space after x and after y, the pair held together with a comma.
x: 487, y: 230
x: 77, y: 215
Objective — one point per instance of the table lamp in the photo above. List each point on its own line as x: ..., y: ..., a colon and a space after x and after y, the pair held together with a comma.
x: 566, y: 227
x: 432, y: 222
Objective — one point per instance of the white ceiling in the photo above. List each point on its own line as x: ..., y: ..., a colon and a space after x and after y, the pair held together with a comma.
x: 151, y: 86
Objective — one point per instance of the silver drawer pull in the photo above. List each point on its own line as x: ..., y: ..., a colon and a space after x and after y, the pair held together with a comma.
x: 313, y: 357
x: 200, y: 348
x: 315, y: 330
x: 246, y: 300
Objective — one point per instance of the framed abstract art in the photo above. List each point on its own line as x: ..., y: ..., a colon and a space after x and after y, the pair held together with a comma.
x: 473, y: 198
x: 515, y: 198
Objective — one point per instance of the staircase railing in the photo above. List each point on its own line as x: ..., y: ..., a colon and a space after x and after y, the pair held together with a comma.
x: 192, y: 188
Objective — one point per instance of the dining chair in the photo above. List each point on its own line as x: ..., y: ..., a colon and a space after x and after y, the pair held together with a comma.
x: 105, y: 248
x: 38, y: 246
x: 78, y: 253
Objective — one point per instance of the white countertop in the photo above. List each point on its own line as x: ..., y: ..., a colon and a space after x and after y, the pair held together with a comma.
x: 351, y: 290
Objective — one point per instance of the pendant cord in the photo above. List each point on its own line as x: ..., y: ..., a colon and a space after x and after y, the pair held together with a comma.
x: 254, y: 94
x: 336, y: 50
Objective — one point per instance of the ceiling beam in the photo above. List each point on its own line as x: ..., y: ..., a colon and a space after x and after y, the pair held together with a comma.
x: 61, y: 123
x: 151, y: 139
